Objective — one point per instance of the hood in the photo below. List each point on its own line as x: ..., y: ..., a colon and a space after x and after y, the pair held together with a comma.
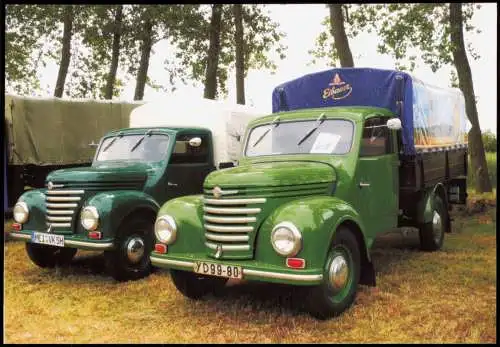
x: 112, y: 171
x: 272, y: 174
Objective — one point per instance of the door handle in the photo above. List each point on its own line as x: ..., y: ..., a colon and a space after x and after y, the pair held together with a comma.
x: 170, y: 184
x: 362, y: 184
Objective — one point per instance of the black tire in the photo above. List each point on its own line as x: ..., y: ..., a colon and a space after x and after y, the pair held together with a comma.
x: 196, y: 286
x: 49, y: 256
x: 432, y: 234
x: 123, y: 265
x: 325, y: 301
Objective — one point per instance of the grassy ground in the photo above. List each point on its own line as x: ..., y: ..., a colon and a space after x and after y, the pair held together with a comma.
x: 447, y: 296
x: 491, y: 161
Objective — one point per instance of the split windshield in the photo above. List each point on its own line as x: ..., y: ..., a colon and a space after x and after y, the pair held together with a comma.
x: 142, y: 147
x: 322, y: 136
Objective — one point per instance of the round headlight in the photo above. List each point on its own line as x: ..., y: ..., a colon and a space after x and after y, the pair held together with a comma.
x: 21, y: 212
x: 286, y: 239
x: 166, y: 229
x: 89, y: 218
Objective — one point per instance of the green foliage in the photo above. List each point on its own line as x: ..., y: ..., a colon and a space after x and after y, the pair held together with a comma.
x: 489, y: 141
x: 491, y: 162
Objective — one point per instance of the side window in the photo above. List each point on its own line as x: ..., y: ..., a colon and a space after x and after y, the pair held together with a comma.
x: 376, y: 138
x: 184, y: 153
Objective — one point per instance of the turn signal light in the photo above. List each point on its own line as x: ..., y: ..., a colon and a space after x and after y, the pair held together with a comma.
x: 161, y: 248
x: 296, y: 263
x: 17, y: 226
x: 95, y: 235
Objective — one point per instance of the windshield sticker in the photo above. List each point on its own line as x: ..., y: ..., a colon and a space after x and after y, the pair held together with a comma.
x: 325, y: 143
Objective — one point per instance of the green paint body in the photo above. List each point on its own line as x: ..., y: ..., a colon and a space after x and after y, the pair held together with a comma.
x: 315, y: 192
x: 117, y: 189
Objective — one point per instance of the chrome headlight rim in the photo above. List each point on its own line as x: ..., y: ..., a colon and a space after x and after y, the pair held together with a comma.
x: 297, y: 236
x: 173, y: 229
x: 24, y: 207
x: 94, y: 214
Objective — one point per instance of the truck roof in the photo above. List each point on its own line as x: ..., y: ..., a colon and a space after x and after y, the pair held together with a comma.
x: 354, y: 113
x: 162, y: 129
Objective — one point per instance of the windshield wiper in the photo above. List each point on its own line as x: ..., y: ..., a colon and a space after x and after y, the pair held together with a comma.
x: 148, y: 133
x: 319, y: 121
x: 120, y: 134
x: 275, y: 122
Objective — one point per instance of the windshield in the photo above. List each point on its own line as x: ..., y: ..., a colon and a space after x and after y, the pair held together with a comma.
x: 152, y: 148
x: 333, y: 136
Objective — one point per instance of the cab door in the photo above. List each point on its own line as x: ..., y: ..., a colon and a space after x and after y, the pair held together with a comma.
x: 189, y: 165
x: 377, y: 179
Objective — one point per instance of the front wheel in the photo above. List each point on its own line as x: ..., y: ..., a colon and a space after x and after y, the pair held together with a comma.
x: 196, y: 286
x: 130, y: 258
x: 49, y: 256
x: 340, y: 278
x: 432, y: 234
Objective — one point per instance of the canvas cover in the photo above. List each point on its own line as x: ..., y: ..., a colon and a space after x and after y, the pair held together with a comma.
x: 53, y: 131
x: 430, y: 116
x: 226, y: 121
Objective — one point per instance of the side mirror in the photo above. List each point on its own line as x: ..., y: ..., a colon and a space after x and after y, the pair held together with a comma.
x: 394, y: 124
x: 195, y: 142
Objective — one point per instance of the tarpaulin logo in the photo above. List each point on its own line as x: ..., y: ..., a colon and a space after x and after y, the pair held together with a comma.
x: 338, y: 89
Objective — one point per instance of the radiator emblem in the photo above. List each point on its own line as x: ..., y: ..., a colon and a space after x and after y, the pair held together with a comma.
x: 217, y: 192
x: 50, y: 185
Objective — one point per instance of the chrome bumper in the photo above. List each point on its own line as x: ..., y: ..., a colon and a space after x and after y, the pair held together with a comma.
x: 69, y: 243
x: 189, y: 265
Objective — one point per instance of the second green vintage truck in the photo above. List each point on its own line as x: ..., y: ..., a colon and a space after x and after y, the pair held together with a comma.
x: 111, y: 206
x: 347, y: 155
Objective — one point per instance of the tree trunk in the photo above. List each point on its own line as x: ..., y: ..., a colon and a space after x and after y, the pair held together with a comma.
x: 476, y: 148
x: 142, y: 73
x: 239, y: 59
x: 117, y: 27
x: 339, y: 35
x: 65, y: 51
x: 213, y: 53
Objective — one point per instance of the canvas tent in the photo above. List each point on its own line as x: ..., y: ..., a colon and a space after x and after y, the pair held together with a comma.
x: 53, y: 131
x: 226, y: 121
x: 431, y: 116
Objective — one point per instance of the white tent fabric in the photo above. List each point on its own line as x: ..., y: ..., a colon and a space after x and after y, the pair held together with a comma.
x: 226, y: 121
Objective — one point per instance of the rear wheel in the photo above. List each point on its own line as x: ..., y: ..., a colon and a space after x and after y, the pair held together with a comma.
x: 432, y: 234
x: 196, y: 286
x: 130, y: 258
x: 49, y: 256
x: 340, y: 278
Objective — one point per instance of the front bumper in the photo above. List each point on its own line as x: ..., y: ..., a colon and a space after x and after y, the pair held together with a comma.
x: 74, y: 241
x: 252, y: 270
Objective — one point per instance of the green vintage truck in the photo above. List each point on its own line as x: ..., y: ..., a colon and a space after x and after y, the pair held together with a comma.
x: 111, y: 206
x: 347, y: 155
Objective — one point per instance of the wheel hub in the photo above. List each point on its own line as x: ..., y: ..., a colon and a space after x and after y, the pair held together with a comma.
x: 437, y: 226
x: 338, y: 272
x: 135, y: 249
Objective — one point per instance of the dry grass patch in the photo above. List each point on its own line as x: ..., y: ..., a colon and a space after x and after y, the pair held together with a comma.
x: 447, y: 296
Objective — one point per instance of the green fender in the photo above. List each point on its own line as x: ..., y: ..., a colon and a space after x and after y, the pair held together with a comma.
x: 426, y: 204
x: 35, y: 199
x: 317, y: 218
x: 115, y: 206
x: 187, y: 212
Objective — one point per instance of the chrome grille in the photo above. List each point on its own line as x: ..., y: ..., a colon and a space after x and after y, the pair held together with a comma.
x: 229, y: 222
x: 61, y: 206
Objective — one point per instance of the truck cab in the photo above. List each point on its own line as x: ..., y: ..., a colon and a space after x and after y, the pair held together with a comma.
x: 111, y: 206
x: 313, y: 189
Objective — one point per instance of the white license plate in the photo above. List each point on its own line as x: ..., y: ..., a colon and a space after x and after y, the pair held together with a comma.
x: 220, y: 270
x: 47, y: 239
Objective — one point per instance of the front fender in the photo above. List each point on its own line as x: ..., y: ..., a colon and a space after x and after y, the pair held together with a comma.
x: 317, y: 218
x: 115, y: 206
x: 187, y: 212
x: 35, y: 199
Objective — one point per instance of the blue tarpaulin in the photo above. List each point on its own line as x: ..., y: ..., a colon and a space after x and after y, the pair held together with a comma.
x: 430, y: 116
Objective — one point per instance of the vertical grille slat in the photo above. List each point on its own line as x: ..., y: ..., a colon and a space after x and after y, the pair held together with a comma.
x: 61, y: 205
